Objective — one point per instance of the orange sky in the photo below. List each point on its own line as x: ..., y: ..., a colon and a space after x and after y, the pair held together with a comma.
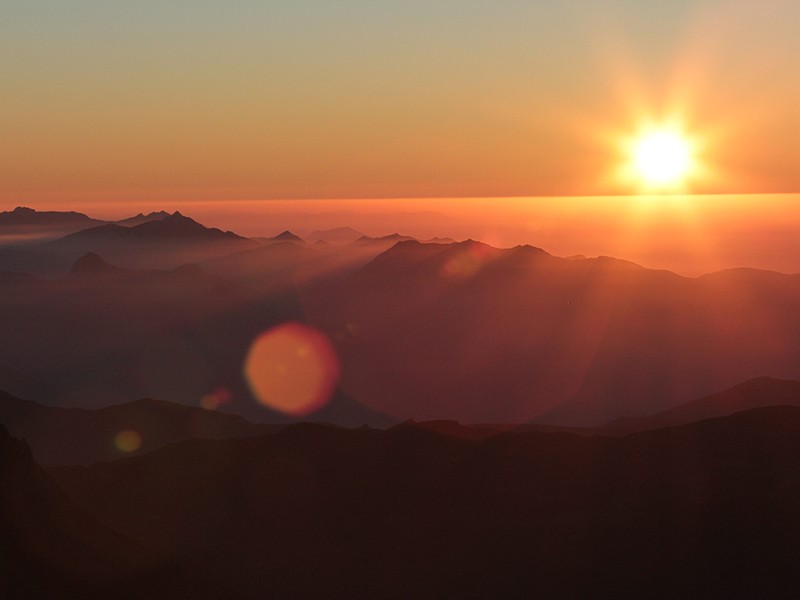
x: 152, y: 101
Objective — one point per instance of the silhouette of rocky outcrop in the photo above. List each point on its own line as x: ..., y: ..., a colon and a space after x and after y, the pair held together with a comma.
x: 706, y: 510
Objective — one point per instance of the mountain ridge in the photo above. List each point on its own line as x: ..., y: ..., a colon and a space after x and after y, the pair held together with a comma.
x: 754, y: 393
x: 65, y: 435
x: 500, y: 502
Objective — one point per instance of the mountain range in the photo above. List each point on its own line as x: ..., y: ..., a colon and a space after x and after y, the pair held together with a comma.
x: 706, y: 510
x: 66, y: 436
x: 520, y: 335
x: 450, y: 330
x: 27, y: 224
x: 505, y: 424
x: 76, y: 436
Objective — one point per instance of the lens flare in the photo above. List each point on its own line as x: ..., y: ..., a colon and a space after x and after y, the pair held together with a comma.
x: 128, y: 440
x: 292, y: 368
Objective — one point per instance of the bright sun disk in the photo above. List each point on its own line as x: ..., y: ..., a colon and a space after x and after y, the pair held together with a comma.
x: 662, y: 158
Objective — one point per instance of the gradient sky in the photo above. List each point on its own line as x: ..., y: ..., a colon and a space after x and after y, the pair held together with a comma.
x: 109, y: 100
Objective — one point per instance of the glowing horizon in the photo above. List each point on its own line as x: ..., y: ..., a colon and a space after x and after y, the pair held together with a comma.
x: 687, y: 234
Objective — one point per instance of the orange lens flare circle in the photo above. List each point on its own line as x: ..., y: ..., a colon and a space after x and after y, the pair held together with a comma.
x: 292, y: 368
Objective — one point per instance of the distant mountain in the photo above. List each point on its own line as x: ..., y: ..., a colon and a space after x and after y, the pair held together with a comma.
x: 396, y: 237
x: 154, y: 244
x: 755, y: 393
x: 269, y: 267
x: 92, y: 264
x: 105, y: 335
x: 143, y: 218
x: 469, y: 332
x: 707, y: 510
x: 392, y: 238
x: 174, y: 226
x: 66, y: 436
x: 337, y: 236
x: 285, y: 266
x: 344, y: 411
x: 23, y: 216
x: 25, y: 226
x: 285, y: 236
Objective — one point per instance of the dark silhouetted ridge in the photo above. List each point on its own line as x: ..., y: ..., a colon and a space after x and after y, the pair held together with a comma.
x: 405, y: 253
x: 755, y: 393
x: 707, y: 510
x: 79, y: 436
x: 177, y: 225
x: 22, y: 215
x: 172, y: 227
x: 48, y: 547
x: 143, y: 218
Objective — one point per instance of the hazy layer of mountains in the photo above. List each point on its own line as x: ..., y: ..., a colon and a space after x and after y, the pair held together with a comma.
x: 508, y: 424
x: 77, y: 436
x: 161, y: 306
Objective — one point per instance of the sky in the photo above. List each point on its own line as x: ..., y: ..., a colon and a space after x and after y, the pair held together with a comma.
x: 112, y: 101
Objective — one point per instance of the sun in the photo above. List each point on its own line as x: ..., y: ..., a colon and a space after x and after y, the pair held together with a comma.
x: 662, y: 159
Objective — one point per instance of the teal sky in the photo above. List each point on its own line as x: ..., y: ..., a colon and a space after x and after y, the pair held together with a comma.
x: 342, y: 98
